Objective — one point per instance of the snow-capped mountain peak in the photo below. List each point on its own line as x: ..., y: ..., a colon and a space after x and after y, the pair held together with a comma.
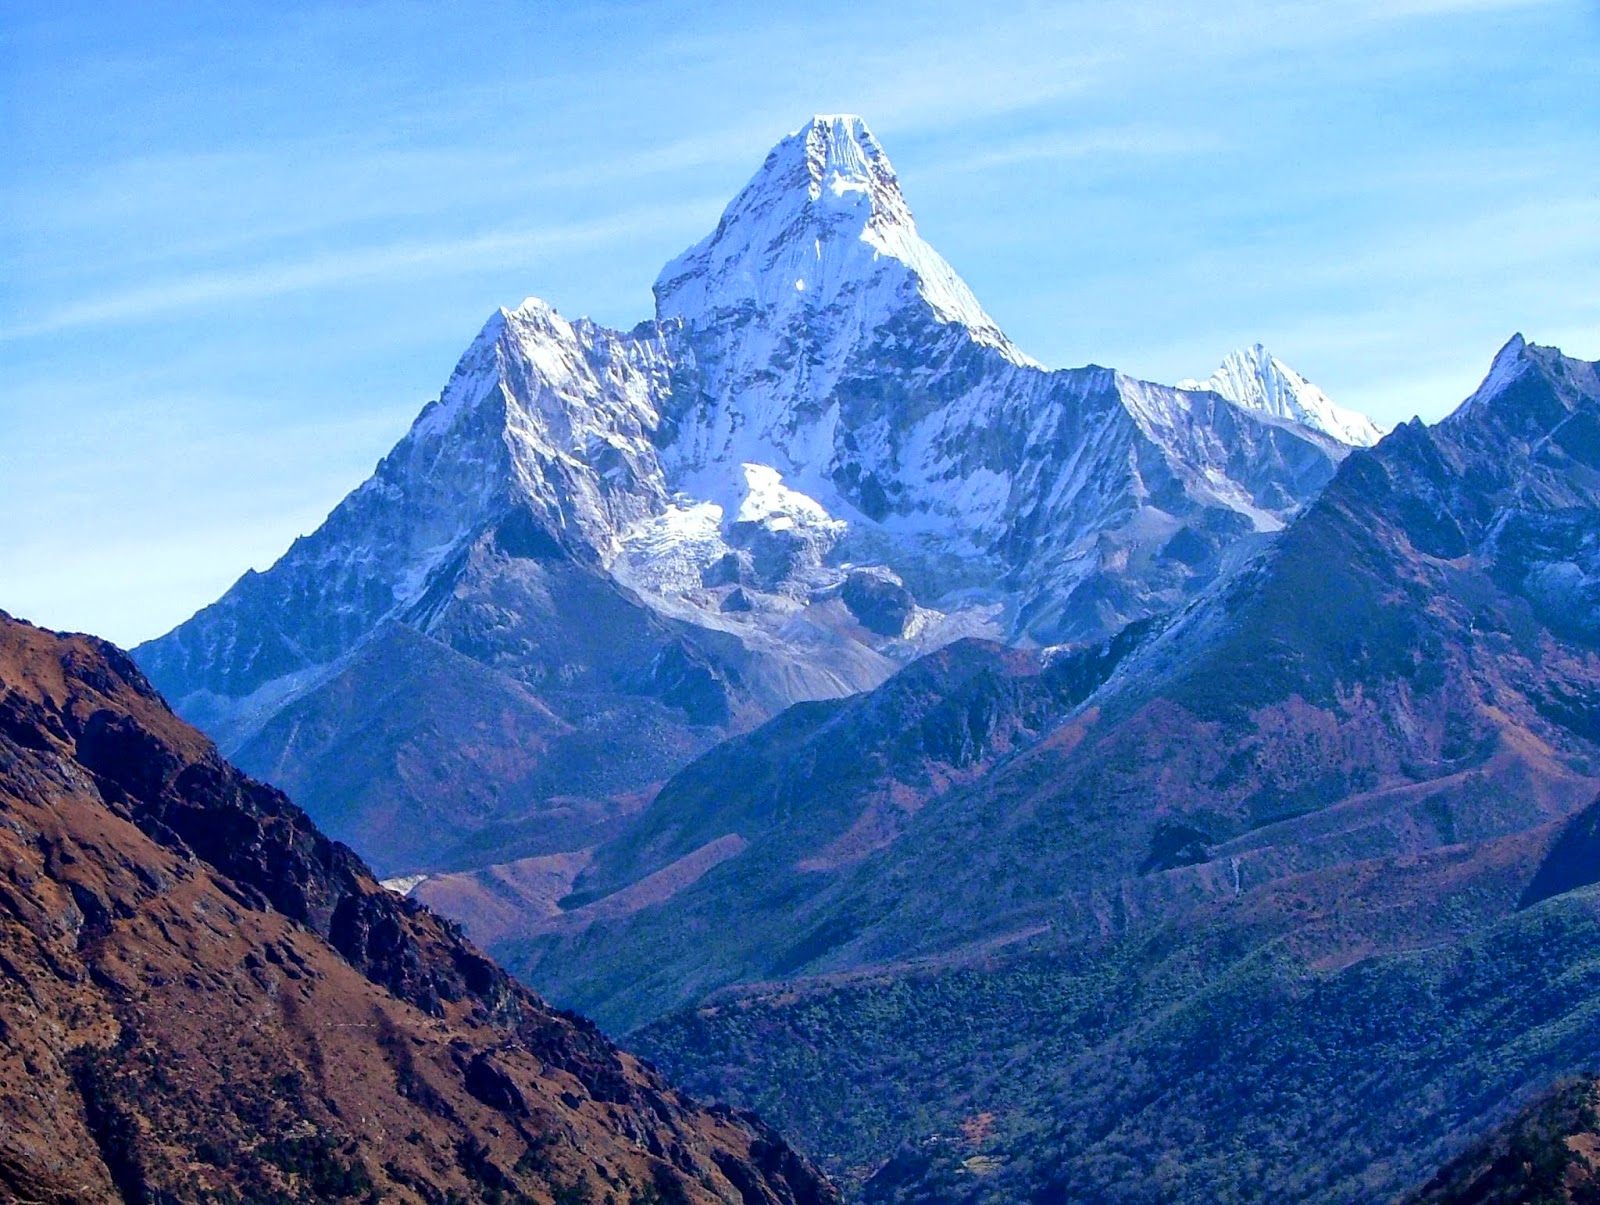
x: 822, y: 458
x: 1254, y: 378
x: 846, y: 163
x: 821, y: 226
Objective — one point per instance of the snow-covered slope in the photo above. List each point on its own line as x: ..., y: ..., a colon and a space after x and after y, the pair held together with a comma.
x: 540, y: 415
x: 1254, y: 378
x: 820, y: 459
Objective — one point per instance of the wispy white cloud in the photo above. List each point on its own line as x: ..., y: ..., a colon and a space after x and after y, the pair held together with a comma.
x: 1110, y: 142
x: 1388, y: 11
x: 1479, y: 248
x: 342, y: 268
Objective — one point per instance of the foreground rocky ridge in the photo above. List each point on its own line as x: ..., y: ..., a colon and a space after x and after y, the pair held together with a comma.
x: 1549, y: 1153
x: 206, y: 999
x: 820, y: 460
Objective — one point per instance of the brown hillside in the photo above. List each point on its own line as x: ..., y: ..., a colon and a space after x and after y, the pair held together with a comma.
x: 205, y: 999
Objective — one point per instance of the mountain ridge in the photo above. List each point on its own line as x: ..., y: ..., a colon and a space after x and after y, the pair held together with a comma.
x: 1359, y: 748
x: 205, y: 998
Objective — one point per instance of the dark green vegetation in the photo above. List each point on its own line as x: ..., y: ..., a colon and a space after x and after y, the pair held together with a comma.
x: 1207, y: 1065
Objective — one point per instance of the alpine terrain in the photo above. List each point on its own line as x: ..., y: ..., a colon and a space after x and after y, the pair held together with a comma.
x: 1291, y: 894
x: 1017, y: 784
x: 820, y: 460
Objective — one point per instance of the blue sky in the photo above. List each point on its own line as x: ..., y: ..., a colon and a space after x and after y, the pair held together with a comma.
x: 241, y: 245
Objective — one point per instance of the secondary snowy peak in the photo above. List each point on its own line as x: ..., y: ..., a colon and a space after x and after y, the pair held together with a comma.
x: 822, y: 226
x: 1257, y: 380
x: 561, y: 413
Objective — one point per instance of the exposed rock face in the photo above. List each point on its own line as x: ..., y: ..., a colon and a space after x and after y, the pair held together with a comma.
x: 881, y: 603
x: 205, y: 998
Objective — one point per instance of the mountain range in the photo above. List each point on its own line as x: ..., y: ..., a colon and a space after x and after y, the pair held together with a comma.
x: 1019, y: 784
x: 1322, y: 842
x: 818, y: 461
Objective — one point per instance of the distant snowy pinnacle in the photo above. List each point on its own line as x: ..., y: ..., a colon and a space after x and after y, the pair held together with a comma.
x: 1257, y: 380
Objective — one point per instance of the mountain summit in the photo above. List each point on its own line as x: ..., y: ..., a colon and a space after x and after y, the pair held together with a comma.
x: 820, y: 460
x: 822, y: 227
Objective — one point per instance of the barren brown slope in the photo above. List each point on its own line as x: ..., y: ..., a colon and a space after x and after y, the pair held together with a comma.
x: 205, y: 999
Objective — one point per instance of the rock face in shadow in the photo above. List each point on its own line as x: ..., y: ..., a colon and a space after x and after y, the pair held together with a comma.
x: 1573, y: 861
x: 206, y: 999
